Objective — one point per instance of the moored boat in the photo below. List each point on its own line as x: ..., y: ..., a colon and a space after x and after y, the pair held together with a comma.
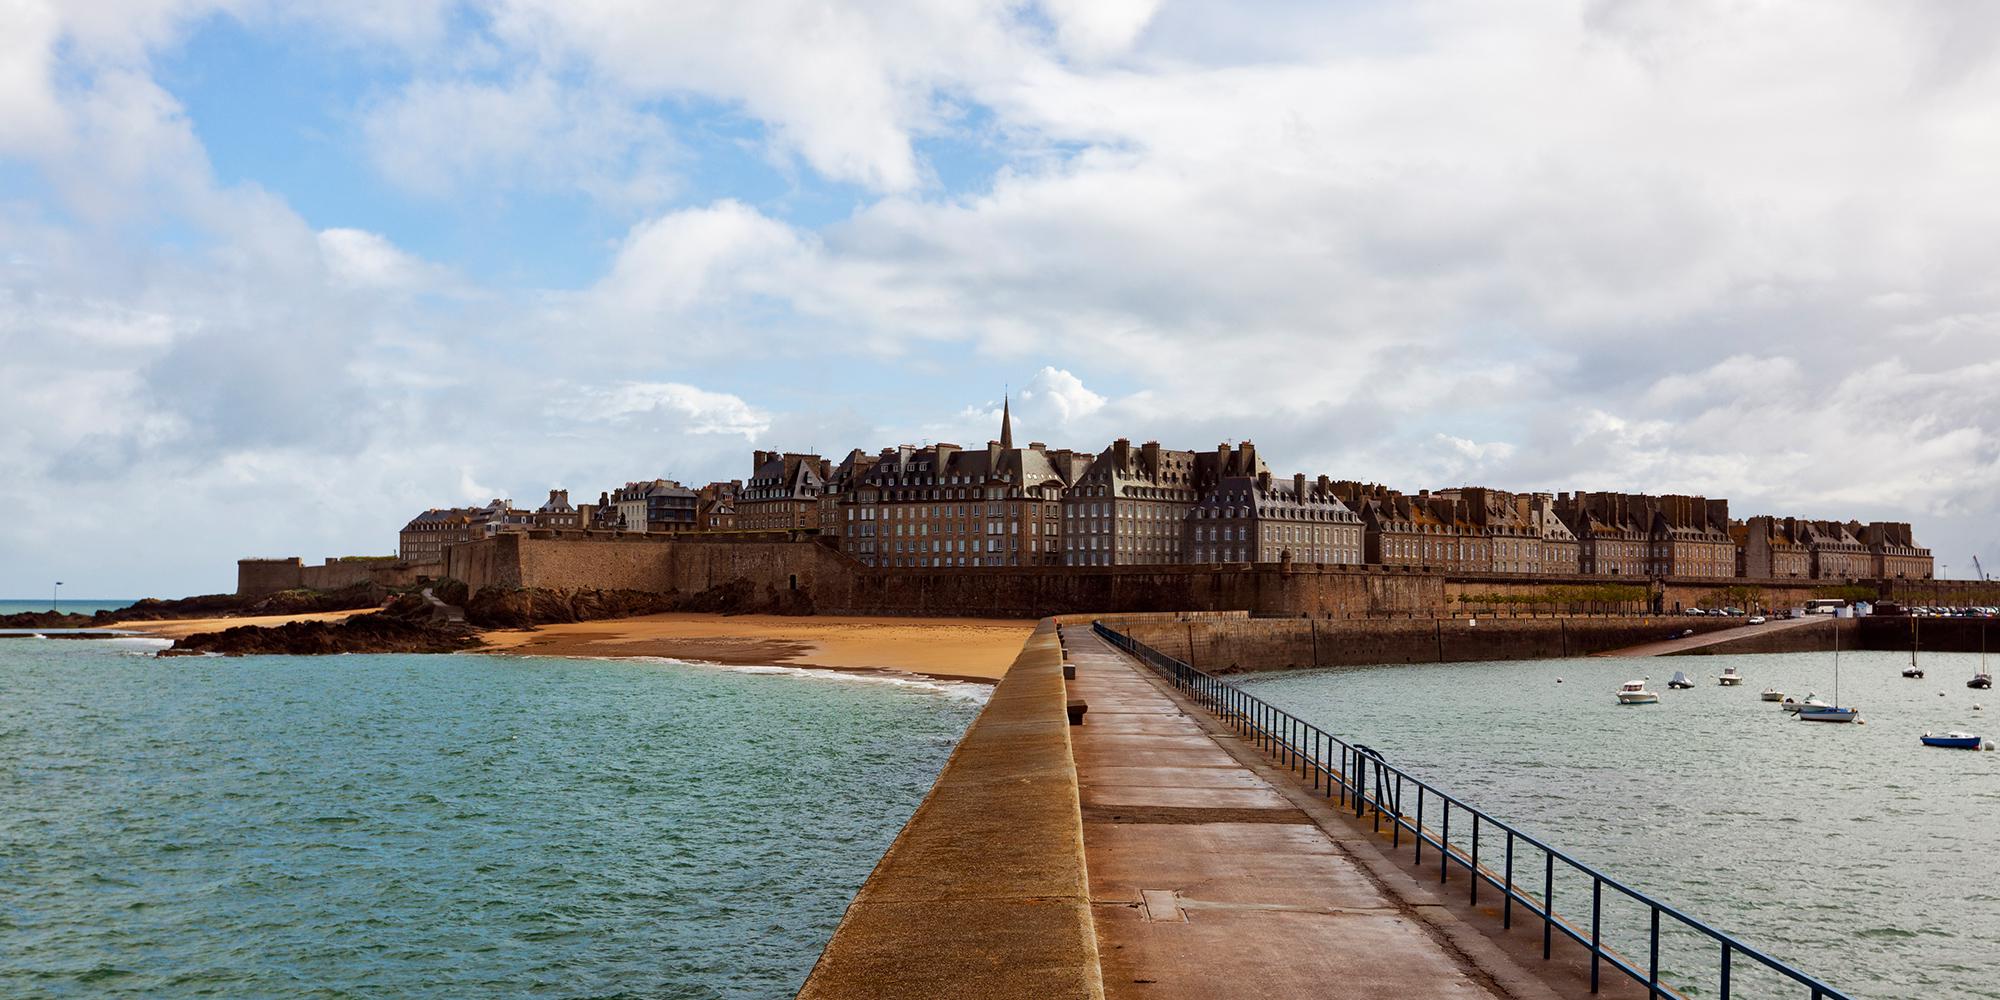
x: 1916, y: 672
x: 1980, y: 681
x: 1828, y: 713
x: 1635, y: 693
x: 1729, y: 678
x: 1679, y: 681
x: 1953, y: 741
x: 1810, y: 701
x: 1773, y: 694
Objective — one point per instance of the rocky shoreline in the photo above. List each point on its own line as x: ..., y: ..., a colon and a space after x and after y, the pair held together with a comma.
x: 447, y: 619
x: 289, y: 602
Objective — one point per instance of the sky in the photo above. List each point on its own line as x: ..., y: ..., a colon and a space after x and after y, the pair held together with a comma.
x: 276, y: 276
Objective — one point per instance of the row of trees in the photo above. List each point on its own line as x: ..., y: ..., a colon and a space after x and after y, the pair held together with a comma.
x: 1595, y: 598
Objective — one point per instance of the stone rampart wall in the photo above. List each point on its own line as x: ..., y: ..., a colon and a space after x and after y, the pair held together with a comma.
x: 1224, y: 646
x: 258, y: 577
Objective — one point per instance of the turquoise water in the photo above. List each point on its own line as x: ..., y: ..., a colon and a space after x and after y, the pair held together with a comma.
x: 1850, y: 851
x: 86, y: 607
x: 440, y: 826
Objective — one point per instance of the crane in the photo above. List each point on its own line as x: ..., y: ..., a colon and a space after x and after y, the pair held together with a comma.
x: 1978, y: 571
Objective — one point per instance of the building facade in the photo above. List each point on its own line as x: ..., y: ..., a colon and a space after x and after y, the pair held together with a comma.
x: 783, y: 492
x: 660, y: 505
x: 1247, y: 519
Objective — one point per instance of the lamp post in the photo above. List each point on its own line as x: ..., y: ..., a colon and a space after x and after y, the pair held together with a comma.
x: 53, y: 594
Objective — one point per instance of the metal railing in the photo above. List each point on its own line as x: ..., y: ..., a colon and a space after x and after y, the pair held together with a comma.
x: 1362, y: 779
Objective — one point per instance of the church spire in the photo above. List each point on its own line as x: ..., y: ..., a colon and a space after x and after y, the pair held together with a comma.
x: 1006, y: 424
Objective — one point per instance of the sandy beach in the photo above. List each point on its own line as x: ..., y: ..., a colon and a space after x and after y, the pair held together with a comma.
x: 174, y: 628
x: 959, y: 648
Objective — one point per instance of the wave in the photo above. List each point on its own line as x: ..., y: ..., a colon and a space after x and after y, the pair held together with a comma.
x: 958, y: 690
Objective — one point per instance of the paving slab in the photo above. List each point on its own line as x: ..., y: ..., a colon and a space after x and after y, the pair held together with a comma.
x: 1190, y: 798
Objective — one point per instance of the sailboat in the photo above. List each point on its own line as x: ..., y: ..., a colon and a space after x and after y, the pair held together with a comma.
x: 1981, y: 680
x: 1915, y: 632
x: 1809, y: 712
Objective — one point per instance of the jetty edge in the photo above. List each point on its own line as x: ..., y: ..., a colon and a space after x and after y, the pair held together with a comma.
x: 984, y: 893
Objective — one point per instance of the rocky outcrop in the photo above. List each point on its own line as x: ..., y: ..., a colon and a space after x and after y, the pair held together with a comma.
x: 407, y: 625
x: 493, y: 607
x: 287, y: 602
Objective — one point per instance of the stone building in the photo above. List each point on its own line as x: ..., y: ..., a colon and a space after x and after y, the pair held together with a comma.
x: 715, y: 505
x: 1893, y: 548
x: 782, y: 492
x: 1613, y: 538
x: 1768, y: 548
x: 1690, y: 538
x: 1128, y: 505
x: 558, y: 513
x: 660, y: 505
x: 1519, y: 533
x: 1431, y: 531
x: 944, y: 505
x: 426, y: 536
x: 1260, y: 519
x: 1836, y: 553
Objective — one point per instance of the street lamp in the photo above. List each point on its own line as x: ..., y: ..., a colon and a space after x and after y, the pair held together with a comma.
x: 53, y: 594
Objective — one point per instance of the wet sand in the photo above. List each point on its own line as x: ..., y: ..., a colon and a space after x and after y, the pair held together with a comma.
x: 958, y: 648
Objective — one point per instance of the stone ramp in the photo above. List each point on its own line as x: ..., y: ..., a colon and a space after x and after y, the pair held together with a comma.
x: 1712, y: 641
x: 1206, y: 881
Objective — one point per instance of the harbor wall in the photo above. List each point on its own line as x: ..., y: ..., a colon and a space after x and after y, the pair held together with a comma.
x: 832, y: 582
x: 984, y: 892
x: 1221, y: 645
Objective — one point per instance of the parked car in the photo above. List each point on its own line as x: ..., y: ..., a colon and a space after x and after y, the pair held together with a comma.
x: 1694, y: 612
x: 1755, y: 620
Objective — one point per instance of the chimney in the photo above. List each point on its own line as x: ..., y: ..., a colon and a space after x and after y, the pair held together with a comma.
x: 1325, y: 485
x: 1150, y: 454
x: 1264, y: 482
x: 1249, y: 458
x: 1121, y: 453
x: 1299, y: 487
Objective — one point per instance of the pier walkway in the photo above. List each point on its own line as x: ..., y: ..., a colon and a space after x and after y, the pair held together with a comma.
x: 1209, y: 878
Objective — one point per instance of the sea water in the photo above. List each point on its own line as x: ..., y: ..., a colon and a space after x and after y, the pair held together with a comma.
x: 440, y: 826
x: 67, y: 606
x: 1851, y: 852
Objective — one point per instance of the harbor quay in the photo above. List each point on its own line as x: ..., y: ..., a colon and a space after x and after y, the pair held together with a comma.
x: 1119, y: 824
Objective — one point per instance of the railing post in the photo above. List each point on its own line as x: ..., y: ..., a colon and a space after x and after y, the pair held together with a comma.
x: 1474, y: 870
x: 1653, y: 960
x: 1507, y: 906
x: 1725, y: 970
x: 1419, y: 859
x: 1596, y: 912
x: 1548, y: 899
x: 1444, y: 846
x: 1396, y: 831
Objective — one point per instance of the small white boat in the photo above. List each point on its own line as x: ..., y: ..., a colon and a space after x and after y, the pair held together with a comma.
x: 1635, y: 693
x: 1828, y: 713
x: 1773, y: 694
x: 1811, y: 701
x: 1729, y: 678
x: 1679, y: 681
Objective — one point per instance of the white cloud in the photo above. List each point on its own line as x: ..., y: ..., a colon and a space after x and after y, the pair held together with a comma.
x: 1064, y: 393
x: 695, y: 410
x: 441, y: 138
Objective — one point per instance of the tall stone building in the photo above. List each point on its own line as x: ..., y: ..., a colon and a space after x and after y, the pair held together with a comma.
x: 1613, y: 539
x: 1261, y: 519
x: 1520, y: 532
x: 1425, y: 530
x: 782, y: 492
x: 715, y: 505
x: 1836, y: 553
x: 1768, y: 548
x: 660, y: 505
x: 426, y: 536
x: 1127, y: 506
x: 1893, y: 548
x: 944, y: 505
x: 1690, y: 538
x: 559, y: 514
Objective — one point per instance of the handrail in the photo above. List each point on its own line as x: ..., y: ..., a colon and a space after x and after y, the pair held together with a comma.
x: 1310, y: 751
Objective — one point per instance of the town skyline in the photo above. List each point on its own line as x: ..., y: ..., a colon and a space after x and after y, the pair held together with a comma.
x: 286, y: 272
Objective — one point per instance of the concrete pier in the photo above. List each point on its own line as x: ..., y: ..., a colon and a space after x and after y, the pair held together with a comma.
x: 1209, y: 878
